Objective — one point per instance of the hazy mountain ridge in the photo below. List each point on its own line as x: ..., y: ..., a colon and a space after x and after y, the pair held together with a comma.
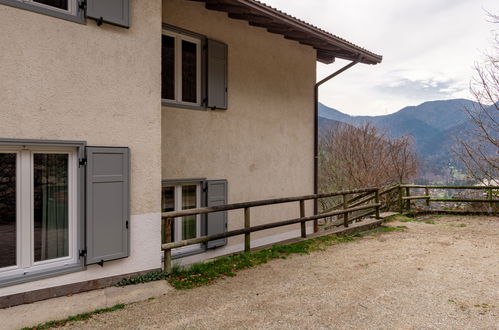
x: 434, y: 125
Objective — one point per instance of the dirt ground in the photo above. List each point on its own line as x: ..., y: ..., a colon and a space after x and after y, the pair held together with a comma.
x: 432, y: 276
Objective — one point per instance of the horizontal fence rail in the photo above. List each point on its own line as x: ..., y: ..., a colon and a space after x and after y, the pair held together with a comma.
x: 236, y: 206
x: 168, y: 218
x: 204, y: 239
x: 449, y: 187
x: 491, y: 196
x: 368, y: 200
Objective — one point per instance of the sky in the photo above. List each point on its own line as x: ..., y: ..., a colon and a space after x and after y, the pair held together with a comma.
x: 429, y: 48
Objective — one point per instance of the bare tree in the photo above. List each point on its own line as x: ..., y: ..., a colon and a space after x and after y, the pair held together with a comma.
x: 478, y: 149
x: 403, y: 160
x: 354, y: 157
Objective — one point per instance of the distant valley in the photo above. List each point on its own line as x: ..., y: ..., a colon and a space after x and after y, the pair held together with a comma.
x: 433, y: 126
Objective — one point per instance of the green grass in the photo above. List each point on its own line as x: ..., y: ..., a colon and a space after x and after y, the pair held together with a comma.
x: 75, y: 318
x: 204, y: 273
x: 200, y: 274
x: 405, y: 218
x: 148, y: 277
x: 399, y: 217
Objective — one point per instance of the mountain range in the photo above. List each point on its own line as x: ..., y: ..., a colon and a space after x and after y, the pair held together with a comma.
x: 433, y: 125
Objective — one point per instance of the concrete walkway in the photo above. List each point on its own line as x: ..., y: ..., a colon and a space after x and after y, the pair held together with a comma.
x: 438, y: 276
x: 60, y: 308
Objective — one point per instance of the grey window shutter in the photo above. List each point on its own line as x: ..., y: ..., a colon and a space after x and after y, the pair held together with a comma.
x: 116, y: 12
x: 216, y: 74
x: 107, y: 203
x: 216, y: 223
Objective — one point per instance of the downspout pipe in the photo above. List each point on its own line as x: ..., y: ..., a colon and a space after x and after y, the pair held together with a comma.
x: 316, y: 130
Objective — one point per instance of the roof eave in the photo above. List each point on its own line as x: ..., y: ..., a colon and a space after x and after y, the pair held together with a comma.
x: 327, y: 45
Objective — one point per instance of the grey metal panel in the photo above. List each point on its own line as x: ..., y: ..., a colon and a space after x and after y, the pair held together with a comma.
x: 108, y: 203
x: 216, y: 74
x: 177, y: 29
x: 170, y: 104
x: 180, y: 181
x: 216, y: 194
x: 116, y: 12
x: 41, y: 142
x: 78, y: 18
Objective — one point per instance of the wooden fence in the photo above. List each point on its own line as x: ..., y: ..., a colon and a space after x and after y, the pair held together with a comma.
x: 345, y: 210
x: 353, y: 202
x: 491, y: 192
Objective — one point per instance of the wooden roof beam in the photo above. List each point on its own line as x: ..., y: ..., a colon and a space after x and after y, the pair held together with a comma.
x: 261, y: 15
x: 252, y: 18
x: 313, y: 42
x: 229, y: 8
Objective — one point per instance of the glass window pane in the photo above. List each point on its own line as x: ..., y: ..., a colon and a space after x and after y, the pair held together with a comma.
x: 61, y: 4
x: 7, y: 209
x: 189, y: 201
x: 168, y: 199
x: 168, y: 68
x: 189, y: 72
x: 168, y: 205
x: 50, y: 206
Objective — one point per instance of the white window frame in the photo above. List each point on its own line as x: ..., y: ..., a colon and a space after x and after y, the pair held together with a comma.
x: 72, y: 6
x: 177, y: 222
x: 25, y: 263
x: 179, y: 37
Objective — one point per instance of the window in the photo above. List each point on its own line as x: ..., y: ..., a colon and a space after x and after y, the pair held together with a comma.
x: 181, y: 69
x: 179, y: 197
x: 63, y: 205
x: 38, y: 209
x: 62, y: 5
x: 195, y: 193
x: 194, y: 70
x: 116, y: 12
x: 66, y: 9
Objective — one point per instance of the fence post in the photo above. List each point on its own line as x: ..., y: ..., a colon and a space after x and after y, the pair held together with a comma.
x: 491, y: 198
x: 247, y: 225
x: 345, y: 206
x: 302, y: 214
x: 401, y: 203
x: 167, y: 254
x: 376, y: 200
x: 427, y: 193
x: 408, y: 194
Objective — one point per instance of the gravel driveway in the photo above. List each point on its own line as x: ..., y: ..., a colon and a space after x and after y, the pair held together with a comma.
x: 436, y: 276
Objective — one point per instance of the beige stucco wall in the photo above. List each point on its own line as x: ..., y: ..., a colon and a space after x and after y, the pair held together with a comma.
x: 64, y: 80
x: 263, y: 143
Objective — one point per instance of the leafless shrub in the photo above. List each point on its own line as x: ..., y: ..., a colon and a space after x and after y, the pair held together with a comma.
x: 356, y: 157
x: 478, y: 149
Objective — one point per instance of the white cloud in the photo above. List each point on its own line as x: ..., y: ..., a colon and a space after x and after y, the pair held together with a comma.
x: 428, y: 48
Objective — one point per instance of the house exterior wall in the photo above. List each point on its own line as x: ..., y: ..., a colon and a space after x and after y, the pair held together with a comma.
x: 62, y: 80
x: 263, y: 143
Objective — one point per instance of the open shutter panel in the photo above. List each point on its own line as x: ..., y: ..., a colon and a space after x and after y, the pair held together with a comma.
x: 217, y: 74
x: 116, y: 12
x: 107, y: 203
x: 216, y: 194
